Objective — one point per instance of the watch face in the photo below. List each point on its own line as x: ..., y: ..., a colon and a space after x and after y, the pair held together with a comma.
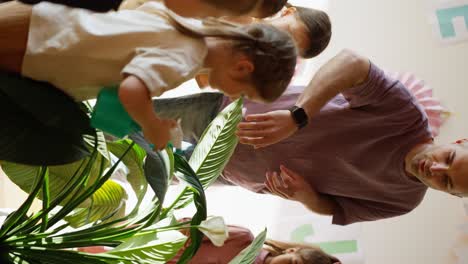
x: 299, y: 115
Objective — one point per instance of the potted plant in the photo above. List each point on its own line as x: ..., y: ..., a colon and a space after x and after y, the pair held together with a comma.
x: 82, y: 206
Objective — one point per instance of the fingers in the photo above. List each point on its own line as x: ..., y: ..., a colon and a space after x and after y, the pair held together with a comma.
x: 286, y: 178
x: 160, y: 146
x: 273, y: 190
x: 257, y: 117
x: 278, y: 181
x: 172, y: 123
x: 261, y: 146
x: 254, y: 133
x: 255, y: 125
x: 158, y: 136
x: 276, y: 186
x: 168, y: 123
x: 289, y: 173
x: 260, y: 141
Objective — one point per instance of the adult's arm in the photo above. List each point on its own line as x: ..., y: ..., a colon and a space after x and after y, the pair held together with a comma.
x: 94, y: 5
x: 345, y: 70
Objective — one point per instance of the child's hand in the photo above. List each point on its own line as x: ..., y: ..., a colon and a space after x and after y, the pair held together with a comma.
x: 158, y: 132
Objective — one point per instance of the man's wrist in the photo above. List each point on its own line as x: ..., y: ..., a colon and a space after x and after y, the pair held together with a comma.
x: 299, y: 116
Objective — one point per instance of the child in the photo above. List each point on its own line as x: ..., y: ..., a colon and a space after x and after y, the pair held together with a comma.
x: 310, y: 29
x: 273, y: 252
x: 188, y: 8
x: 217, y: 8
x: 148, y: 51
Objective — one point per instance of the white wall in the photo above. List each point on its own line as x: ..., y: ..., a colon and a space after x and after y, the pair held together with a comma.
x: 396, y: 35
x: 10, y: 195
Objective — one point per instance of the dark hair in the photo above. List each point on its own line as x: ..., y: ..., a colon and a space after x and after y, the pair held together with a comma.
x: 272, y: 51
x: 310, y: 254
x: 271, y: 7
x: 318, y: 26
x: 273, y: 54
x: 239, y: 7
x: 315, y: 256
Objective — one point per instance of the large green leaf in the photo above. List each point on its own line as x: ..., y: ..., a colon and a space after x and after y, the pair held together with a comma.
x: 27, y: 240
x: 107, y: 202
x: 151, y: 247
x: 59, y: 176
x: 44, y: 255
x: 101, y: 143
x: 41, y: 125
x: 215, y: 147
x: 250, y: 253
x: 158, y: 166
x: 134, y: 163
x: 104, y: 203
x: 188, y: 176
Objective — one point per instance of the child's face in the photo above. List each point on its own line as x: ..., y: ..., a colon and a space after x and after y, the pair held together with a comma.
x: 290, y: 22
x: 232, y: 87
x: 229, y: 71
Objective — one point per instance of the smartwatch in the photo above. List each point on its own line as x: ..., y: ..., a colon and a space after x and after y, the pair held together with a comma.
x: 299, y: 115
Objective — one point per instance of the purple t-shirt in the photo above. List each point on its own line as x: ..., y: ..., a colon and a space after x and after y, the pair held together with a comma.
x: 354, y: 150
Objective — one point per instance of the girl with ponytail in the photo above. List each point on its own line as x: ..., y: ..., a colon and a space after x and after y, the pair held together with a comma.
x: 146, y: 52
x: 273, y: 252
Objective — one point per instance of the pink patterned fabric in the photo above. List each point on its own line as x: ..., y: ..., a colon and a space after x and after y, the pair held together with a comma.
x: 436, y: 113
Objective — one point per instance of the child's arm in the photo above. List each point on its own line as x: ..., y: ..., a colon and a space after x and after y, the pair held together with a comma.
x: 100, y: 6
x: 136, y: 100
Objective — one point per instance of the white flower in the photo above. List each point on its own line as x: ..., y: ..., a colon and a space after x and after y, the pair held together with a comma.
x: 215, y: 229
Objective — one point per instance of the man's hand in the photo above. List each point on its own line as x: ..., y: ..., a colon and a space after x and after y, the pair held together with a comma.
x: 292, y: 186
x: 288, y: 184
x: 261, y: 130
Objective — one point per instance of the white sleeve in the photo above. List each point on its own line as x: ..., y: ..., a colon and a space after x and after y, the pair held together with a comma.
x: 163, y: 69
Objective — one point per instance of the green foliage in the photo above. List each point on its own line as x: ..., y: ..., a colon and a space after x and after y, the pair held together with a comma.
x: 194, y: 185
x: 154, y: 245
x: 108, y: 202
x: 82, y: 207
x: 214, y: 150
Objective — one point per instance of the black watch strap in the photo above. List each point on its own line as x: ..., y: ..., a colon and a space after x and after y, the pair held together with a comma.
x: 299, y: 116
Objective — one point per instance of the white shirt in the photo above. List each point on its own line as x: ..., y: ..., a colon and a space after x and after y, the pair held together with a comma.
x: 80, y: 51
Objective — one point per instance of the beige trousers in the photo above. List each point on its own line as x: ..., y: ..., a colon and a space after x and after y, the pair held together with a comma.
x: 14, y: 27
